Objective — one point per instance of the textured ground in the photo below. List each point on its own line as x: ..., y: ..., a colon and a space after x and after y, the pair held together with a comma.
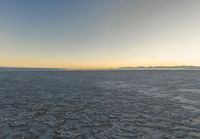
x: 100, y: 105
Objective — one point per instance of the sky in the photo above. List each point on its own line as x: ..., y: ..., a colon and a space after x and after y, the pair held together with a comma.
x: 93, y: 34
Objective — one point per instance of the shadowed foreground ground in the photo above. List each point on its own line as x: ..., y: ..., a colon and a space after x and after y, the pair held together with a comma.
x: 100, y: 105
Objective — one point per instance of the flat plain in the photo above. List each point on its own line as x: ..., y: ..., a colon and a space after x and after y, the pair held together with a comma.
x: 100, y: 104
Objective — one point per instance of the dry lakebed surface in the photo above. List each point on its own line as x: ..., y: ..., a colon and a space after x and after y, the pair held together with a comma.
x: 148, y: 104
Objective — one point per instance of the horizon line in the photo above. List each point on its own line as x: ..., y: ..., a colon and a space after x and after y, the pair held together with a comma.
x: 109, y: 68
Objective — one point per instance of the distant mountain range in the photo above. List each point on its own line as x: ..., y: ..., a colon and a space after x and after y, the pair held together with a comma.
x: 161, y: 68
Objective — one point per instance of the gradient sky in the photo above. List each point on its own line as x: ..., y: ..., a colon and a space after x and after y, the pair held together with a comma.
x: 81, y: 34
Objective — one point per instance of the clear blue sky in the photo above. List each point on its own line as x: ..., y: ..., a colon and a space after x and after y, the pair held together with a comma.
x: 99, y: 33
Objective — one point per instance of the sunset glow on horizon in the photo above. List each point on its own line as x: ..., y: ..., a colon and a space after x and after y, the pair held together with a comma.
x: 100, y: 34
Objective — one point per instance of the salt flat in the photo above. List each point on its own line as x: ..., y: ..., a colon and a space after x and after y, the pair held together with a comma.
x: 100, y: 104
